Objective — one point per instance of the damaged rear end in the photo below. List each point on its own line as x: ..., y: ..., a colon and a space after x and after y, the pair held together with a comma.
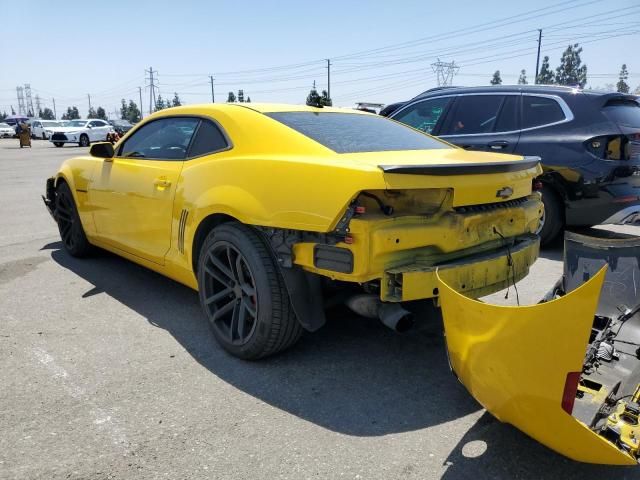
x: 567, y: 370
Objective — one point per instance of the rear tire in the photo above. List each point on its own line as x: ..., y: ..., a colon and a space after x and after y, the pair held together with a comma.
x: 552, y: 220
x: 69, y: 225
x: 243, y: 294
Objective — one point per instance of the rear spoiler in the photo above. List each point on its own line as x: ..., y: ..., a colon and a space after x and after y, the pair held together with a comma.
x: 463, y: 168
x: 610, y: 98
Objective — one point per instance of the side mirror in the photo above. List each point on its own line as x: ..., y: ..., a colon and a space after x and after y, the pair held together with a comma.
x: 101, y: 150
x: 89, y: 126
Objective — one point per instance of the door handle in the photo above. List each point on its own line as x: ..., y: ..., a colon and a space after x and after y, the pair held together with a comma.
x: 162, y: 182
x: 498, y: 145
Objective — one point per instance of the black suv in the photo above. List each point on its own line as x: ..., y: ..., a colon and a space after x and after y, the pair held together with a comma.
x: 589, y: 143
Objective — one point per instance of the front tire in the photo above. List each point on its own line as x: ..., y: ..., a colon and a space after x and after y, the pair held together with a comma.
x: 44, y: 136
x: 243, y: 295
x: 552, y: 220
x: 58, y: 144
x: 84, y: 140
x: 71, y: 232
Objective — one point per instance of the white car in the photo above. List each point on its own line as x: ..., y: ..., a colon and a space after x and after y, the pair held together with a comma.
x: 82, y: 132
x: 43, y: 128
x: 6, y: 130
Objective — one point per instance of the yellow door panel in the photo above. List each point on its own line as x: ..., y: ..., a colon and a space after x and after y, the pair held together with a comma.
x: 515, y: 362
x: 132, y: 202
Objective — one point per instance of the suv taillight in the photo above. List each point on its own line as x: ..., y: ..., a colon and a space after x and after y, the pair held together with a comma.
x: 615, y: 147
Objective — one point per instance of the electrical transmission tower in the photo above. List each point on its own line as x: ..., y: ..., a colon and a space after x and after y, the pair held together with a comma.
x: 21, y: 107
x: 27, y: 94
x: 152, y: 89
x: 38, y: 104
x: 445, y: 72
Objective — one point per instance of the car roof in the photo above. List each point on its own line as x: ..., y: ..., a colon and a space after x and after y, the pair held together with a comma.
x: 258, y: 107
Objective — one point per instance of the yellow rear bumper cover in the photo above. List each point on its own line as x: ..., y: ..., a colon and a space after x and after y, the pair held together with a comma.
x: 515, y: 361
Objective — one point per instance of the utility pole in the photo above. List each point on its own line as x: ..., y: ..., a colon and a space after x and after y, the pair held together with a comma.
x: 21, y: 107
x: 213, y: 97
x: 328, y: 78
x: 538, y: 58
x: 140, y: 93
x: 27, y: 93
x: 152, y: 90
x: 445, y: 72
x: 55, y: 115
x: 89, y: 97
x: 37, y: 105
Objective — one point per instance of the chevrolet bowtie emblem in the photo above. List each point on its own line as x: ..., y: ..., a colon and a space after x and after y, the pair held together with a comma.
x: 504, y: 192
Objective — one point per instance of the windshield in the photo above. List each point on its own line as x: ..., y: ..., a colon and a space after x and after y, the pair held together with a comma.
x: 353, y: 132
x: 50, y: 124
x: 77, y: 123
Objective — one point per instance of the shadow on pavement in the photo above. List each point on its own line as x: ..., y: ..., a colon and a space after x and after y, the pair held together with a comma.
x: 495, y: 450
x: 354, y: 376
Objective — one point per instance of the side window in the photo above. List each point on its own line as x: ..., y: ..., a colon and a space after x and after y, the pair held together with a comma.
x: 508, y: 116
x: 474, y: 114
x: 208, y: 139
x: 94, y: 124
x: 423, y: 115
x: 537, y: 111
x: 163, y: 139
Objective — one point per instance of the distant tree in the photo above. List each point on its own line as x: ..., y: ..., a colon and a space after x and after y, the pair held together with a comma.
x: 47, y: 114
x: 160, y: 105
x: 29, y: 113
x: 637, y: 90
x: 72, y: 113
x: 13, y: 112
x: 522, y: 79
x: 571, y: 71
x: 622, y: 86
x: 133, y: 112
x: 325, y: 100
x: 100, y: 113
x: 545, y: 77
x: 231, y: 97
x: 313, y: 99
x: 92, y: 113
x: 241, y: 96
x: 496, y: 80
x: 124, y: 111
x: 3, y: 115
x: 40, y: 113
x: 248, y: 99
x: 176, y: 100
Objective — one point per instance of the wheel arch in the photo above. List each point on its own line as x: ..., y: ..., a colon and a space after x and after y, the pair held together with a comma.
x: 303, y: 287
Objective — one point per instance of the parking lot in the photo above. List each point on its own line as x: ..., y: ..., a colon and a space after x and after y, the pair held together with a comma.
x: 110, y: 372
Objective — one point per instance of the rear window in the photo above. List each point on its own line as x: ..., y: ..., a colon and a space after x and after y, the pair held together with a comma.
x: 538, y: 111
x: 623, y: 112
x: 353, y: 133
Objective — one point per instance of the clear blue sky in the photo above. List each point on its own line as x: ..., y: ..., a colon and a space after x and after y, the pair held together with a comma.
x: 381, y: 51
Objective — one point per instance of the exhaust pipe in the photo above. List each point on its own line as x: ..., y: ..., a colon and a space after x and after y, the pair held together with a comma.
x: 391, y: 315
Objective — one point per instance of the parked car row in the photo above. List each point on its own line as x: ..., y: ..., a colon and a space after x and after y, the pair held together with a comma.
x: 589, y: 143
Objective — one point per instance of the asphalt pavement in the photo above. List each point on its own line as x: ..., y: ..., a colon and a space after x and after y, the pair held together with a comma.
x: 109, y: 371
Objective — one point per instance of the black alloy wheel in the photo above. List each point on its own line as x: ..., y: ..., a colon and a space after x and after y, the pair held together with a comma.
x: 84, y: 140
x: 71, y: 232
x: 230, y: 294
x: 243, y: 295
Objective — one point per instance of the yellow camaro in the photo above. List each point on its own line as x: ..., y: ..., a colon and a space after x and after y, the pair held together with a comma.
x: 259, y: 207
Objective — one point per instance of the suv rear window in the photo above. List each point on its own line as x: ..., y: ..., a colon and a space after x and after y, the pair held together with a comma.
x: 353, y: 133
x: 538, y: 111
x: 623, y: 112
